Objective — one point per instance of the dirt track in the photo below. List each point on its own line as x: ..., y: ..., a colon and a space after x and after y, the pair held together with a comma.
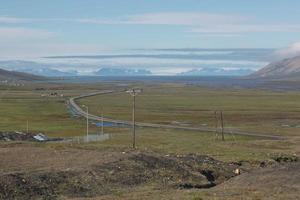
x: 73, y: 105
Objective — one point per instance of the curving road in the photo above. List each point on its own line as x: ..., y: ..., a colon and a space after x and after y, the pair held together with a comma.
x: 77, y: 109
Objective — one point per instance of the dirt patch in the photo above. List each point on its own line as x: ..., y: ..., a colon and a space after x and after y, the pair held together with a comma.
x: 21, y: 136
x: 16, y: 136
x: 285, y: 158
x: 129, y: 170
x: 274, y: 160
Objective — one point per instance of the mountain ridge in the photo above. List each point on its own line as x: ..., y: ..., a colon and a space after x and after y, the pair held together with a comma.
x: 6, y: 75
x: 216, y: 72
x: 286, y: 68
x: 122, y: 72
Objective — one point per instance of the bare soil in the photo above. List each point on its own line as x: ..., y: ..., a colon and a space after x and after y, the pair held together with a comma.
x: 29, y: 171
x: 16, y: 136
x: 34, y: 172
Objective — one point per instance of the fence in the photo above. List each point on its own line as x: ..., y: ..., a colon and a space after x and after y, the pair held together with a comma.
x: 90, y: 138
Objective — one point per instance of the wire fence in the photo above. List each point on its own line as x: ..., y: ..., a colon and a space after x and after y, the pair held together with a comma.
x: 90, y: 138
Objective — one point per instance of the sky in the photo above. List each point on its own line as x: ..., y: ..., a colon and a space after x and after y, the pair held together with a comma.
x: 38, y: 28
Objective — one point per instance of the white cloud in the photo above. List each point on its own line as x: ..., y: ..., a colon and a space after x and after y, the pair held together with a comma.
x: 14, y: 20
x: 163, y: 18
x: 156, y: 62
x: 96, y: 21
x: 17, y: 34
x: 209, y: 23
x: 183, y: 18
x: 19, y: 41
x: 24, y: 50
x: 220, y: 35
x: 291, y: 51
x: 239, y: 28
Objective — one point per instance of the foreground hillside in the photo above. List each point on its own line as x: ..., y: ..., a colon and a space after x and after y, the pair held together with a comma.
x: 75, y: 172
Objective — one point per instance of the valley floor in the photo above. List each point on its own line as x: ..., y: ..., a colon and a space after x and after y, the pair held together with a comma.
x: 168, y: 164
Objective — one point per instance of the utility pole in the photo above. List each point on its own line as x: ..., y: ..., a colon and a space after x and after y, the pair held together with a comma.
x: 87, y: 122
x: 102, y: 122
x: 222, y: 124
x: 27, y: 127
x: 133, y: 92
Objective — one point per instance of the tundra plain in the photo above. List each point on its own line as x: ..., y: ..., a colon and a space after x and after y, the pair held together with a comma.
x: 75, y: 167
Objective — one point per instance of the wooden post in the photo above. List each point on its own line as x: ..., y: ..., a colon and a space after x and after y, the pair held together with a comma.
x: 222, y: 126
x: 27, y: 127
x: 216, y: 125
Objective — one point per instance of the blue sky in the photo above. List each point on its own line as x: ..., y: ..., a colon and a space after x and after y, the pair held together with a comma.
x: 36, y: 28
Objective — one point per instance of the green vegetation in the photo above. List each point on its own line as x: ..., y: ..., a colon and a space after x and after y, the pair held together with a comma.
x: 46, y: 114
x: 249, y: 110
x: 169, y: 141
x: 258, y: 111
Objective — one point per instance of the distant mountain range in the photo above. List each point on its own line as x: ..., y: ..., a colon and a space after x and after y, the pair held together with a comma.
x: 40, y: 69
x: 285, y: 69
x: 122, y: 72
x: 18, y: 76
x: 51, y: 70
x: 217, y: 72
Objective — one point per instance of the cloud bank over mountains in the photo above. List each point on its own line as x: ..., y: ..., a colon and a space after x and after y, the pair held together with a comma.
x: 168, y: 61
x: 290, y: 51
x: 148, y: 62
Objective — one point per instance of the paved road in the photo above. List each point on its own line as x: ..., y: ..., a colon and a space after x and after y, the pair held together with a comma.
x: 77, y: 109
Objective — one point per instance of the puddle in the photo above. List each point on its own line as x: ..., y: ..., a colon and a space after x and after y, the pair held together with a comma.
x: 111, y: 124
